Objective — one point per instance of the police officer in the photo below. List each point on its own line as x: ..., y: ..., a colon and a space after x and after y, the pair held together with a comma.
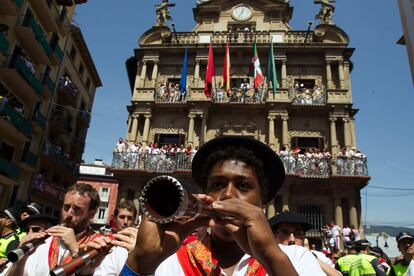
x: 365, y: 264
x: 10, y: 236
x: 344, y: 263
x: 405, y: 242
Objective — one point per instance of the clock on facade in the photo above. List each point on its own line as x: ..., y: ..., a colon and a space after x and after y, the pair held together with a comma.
x: 242, y: 12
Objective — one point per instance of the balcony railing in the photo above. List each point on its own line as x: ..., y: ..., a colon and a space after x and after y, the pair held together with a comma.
x: 50, y: 84
x: 18, y: 2
x: 295, y: 164
x: 40, y: 35
x: 40, y: 119
x: 170, y: 96
x: 28, y: 75
x: 4, y: 44
x: 351, y: 166
x: 15, y: 118
x: 9, y: 169
x: 60, y: 158
x: 307, y: 96
x: 49, y: 189
x: 161, y: 163
x: 29, y: 158
x: 240, y: 96
x: 68, y: 87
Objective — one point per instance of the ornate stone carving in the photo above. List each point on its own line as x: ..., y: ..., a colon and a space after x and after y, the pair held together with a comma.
x: 326, y: 12
x: 305, y: 133
x: 245, y: 127
x: 168, y: 130
x: 163, y: 14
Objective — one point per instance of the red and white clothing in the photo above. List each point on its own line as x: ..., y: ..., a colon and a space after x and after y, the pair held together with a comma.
x: 346, y: 231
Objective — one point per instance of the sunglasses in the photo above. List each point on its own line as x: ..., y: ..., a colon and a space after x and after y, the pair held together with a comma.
x: 36, y: 229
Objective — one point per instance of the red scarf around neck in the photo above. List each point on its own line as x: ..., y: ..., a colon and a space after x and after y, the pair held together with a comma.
x: 196, y: 259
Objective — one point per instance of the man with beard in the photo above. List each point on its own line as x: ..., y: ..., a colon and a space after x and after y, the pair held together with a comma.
x: 239, y: 175
x: 67, y: 239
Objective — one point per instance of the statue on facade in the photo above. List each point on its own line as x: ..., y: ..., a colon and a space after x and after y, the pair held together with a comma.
x: 326, y: 12
x: 163, y: 14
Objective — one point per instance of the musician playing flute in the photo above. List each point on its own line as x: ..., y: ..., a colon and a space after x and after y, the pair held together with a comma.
x: 67, y: 239
x: 239, y: 176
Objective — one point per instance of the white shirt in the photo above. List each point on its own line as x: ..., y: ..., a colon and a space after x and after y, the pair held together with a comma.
x: 336, y: 230
x: 321, y: 256
x: 38, y: 263
x: 346, y: 231
x: 302, y: 260
x: 120, y: 147
x: 410, y: 270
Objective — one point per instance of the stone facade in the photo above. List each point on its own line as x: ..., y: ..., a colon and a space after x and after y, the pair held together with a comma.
x: 318, y: 58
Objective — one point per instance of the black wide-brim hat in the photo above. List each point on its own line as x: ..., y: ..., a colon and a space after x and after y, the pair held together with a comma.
x: 290, y: 218
x: 39, y: 217
x: 273, y: 167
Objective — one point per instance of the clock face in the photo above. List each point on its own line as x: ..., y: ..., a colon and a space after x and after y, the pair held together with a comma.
x: 242, y: 12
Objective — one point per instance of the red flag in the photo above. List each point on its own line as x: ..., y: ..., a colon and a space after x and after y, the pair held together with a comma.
x: 226, y: 70
x: 208, y: 84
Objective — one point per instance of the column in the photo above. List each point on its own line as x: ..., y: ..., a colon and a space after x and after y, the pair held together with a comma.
x: 341, y: 74
x: 147, y: 123
x: 154, y: 71
x: 271, y: 131
x: 190, y: 129
x: 197, y: 72
x: 138, y: 76
x: 329, y: 74
x: 284, y: 73
x: 143, y: 72
x: 285, y: 199
x: 347, y: 133
x: 134, y: 130
x: 285, y: 131
x: 352, y: 130
x: 353, y: 214
x: 129, y: 128
x: 338, y: 212
x: 346, y: 75
x: 203, y: 128
x: 334, y: 141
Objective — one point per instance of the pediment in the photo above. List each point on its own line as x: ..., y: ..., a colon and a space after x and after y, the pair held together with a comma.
x: 155, y: 36
x: 330, y: 34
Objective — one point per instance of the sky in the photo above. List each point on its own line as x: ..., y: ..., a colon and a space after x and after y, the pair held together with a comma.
x: 381, y: 85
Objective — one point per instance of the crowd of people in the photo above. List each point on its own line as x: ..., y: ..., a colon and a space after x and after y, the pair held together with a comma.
x: 167, y: 158
x: 170, y: 93
x: 333, y: 235
x: 243, y: 94
x: 236, y: 177
x: 305, y: 95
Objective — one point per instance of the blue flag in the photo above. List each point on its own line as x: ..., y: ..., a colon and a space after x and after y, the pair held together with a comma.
x: 183, y: 81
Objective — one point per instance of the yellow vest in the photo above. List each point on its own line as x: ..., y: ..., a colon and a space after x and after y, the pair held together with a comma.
x: 345, y: 262
x: 400, y: 269
x: 361, y: 266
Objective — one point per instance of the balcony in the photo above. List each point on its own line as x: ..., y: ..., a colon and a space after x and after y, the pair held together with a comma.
x: 240, y: 96
x: 60, y: 159
x: 28, y: 75
x: 84, y: 118
x: 9, y: 169
x: 47, y: 13
x: 48, y: 88
x: 32, y: 40
x: 9, y: 114
x: 4, y: 44
x: 169, y: 95
x: 67, y: 92
x: 29, y: 160
x: 49, y: 189
x: 299, y: 165
x: 39, y: 119
x: 10, y: 7
x: 57, y: 54
x: 302, y: 96
x: 63, y: 22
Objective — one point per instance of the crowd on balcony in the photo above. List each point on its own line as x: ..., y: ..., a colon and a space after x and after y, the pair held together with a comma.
x: 351, y: 162
x: 308, y: 162
x: 170, y: 93
x: 305, y: 95
x: 66, y: 83
x: 243, y: 94
x: 166, y: 158
x: 58, y: 154
x: 13, y: 102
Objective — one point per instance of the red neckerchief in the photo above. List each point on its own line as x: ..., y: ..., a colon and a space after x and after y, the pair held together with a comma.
x: 53, y: 256
x: 196, y: 259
